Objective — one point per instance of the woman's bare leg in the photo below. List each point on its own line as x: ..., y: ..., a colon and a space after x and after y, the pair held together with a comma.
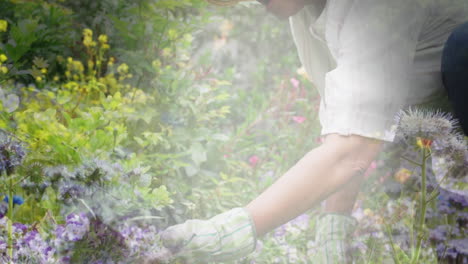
x: 343, y: 200
x: 317, y: 175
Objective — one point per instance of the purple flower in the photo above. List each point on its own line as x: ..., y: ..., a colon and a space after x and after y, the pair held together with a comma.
x: 445, y: 208
x: 18, y: 227
x: 443, y: 232
x: 458, y: 200
x: 65, y: 259
x: 444, y: 205
x: 59, y: 230
x: 69, y: 191
x: 48, y: 252
x: 76, y: 219
x: 431, y: 214
x: 446, y: 252
x: 439, y: 234
x: 301, y: 221
x: 280, y: 231
x: 54, y: 174
x: 3, y: 245
x: 11, y: 155
x: 34, y: 246
x: 77, y: 225
x: 358, y: 213
x: 30, y: 236
x: 462, y: 219
x: 3, y: 209
x: 460, y: 246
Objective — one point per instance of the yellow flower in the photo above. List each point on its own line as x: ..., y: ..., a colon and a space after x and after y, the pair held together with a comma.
x: 3, y: 58
x: 87, y: 32
x: 122, y: 69
x: 172, y: 34
x: 156, y: 64
x: 3, y: 25
x: 38, y: 78
x: 56, y: 78
x: 88, y: 41
x: 44, y: 71
x: 402, y: 175
x: 4, y: 70
x: 78, y: 66
x: 102, y: 39
x: 302, y: 72
x: 368, y: 212
x: 423, y: 143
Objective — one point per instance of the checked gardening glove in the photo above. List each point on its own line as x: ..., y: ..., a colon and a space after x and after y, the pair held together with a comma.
x: 225, y: 237
x: 332, y: 236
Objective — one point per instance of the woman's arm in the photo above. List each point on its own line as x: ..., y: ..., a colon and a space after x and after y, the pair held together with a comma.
x: 318, y: 174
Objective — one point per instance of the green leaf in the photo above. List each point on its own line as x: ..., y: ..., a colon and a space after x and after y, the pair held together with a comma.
x: 63, y: 98
x: 40, y: 62
x: 198, y: 153
x: 161, y: 195
x: 141, y: 142
x: 23, y: 36
x: 191, y: 170
x: 49, y: 200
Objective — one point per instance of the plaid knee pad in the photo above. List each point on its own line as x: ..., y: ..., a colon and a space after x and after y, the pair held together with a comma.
x: 225, y: 237
x: 333, y: 231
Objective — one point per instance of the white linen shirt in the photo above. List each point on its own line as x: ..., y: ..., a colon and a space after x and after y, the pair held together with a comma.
x: 371, y: 58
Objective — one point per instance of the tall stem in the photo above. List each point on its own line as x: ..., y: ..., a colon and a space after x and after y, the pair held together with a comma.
x: 422, y: 204
x: 10, y: 219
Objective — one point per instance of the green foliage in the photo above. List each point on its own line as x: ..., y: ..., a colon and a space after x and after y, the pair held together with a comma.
x: 140, y: 32
x: 35, y: 30
x: 201, y: 109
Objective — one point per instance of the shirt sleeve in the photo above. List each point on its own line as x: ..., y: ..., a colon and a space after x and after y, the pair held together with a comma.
x: 374, y: 44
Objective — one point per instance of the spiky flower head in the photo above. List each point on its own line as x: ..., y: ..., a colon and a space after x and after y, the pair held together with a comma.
x: 437, y: 132
x: 69, y: 191
x: 422, y: 127
x: 452, y: 155
x: 12, y: 154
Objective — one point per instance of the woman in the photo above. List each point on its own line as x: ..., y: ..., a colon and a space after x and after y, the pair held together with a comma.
x: 368, y: 59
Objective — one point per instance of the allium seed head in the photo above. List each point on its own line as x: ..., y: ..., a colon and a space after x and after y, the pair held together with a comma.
x: 430, y: 125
